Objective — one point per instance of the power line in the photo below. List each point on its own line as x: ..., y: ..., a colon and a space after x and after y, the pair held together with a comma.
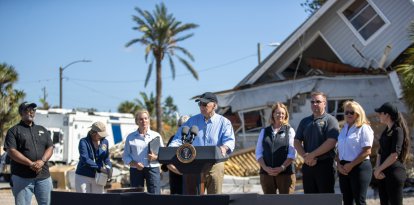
x: 180, y: 75
x: 97, y: 91
x: 39, y: 81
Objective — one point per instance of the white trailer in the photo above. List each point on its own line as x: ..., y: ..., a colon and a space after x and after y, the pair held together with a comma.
x: 67, y: 127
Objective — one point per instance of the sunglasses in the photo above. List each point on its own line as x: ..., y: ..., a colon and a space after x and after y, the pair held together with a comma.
x: 29, y: 110
x: 316, y: 101
x: 349, y: 112
x: 202, y: 104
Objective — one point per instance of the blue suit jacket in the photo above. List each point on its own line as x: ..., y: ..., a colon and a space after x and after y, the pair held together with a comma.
x: 91, y: 160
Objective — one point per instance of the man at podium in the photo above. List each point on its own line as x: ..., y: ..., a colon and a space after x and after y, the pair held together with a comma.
x: 213, y: 130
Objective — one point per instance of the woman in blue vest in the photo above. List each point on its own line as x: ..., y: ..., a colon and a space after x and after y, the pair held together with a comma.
x: 275, y: 153
x: 354, y: 147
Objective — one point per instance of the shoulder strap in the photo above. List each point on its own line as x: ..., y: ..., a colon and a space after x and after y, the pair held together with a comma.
x: 93, y: 153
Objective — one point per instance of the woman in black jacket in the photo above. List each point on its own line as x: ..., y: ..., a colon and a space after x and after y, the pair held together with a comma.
x: 393, y: 151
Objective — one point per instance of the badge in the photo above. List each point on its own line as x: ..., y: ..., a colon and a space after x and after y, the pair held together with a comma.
x: 186, y: 153
x: 103, y: 147
x: 321, y: 123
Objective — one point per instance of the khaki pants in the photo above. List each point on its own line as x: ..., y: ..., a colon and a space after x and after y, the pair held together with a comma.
x: 214, y: 179
x: 285, y: 183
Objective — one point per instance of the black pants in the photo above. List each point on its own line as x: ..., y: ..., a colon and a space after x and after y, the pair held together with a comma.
x: 390, y: 188
x: 176, y: 183
x: 319, y: 178
x: 354, y: 186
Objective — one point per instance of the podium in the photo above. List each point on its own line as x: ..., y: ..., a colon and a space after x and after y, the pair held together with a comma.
x: 193, y: 180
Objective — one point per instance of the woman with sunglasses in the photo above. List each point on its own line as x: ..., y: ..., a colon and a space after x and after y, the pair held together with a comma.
x: 93, y: 159
x: 354, y: 147
x: 393, y: 151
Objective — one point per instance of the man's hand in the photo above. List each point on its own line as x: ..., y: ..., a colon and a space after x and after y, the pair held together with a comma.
x: 310, y: 159
x: 174, y: 169
x: 137, y: 165
x: 224, y: 149
x: 152, y: 156
x: 37, y: 166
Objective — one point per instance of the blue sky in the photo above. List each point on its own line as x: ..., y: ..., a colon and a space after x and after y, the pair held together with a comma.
x: 37, y: 37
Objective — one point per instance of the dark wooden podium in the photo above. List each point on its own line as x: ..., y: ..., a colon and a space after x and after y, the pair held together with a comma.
x: 193, y: 181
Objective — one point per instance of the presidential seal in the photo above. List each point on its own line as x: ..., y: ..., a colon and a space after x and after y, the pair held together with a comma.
x: 186, y: 153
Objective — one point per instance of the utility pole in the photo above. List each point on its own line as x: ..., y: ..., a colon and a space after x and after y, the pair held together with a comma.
x: 258, y: 53
x: 61, y: 77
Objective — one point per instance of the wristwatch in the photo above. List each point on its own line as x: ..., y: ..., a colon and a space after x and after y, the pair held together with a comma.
x: 283, y: 167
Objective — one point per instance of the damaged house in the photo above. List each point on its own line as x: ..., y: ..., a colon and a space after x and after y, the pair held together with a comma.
x: 346, y: 49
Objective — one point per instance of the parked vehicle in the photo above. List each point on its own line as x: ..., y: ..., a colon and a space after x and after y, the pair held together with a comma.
x: 67, y: 127
x: 5, y: 167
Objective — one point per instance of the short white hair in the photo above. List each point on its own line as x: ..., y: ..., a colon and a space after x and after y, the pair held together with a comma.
x: 182, y: 120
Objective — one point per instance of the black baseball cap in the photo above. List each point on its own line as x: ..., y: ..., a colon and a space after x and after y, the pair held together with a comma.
x: 25, y: 105
x: 207, y: 97
x: 388, y: 108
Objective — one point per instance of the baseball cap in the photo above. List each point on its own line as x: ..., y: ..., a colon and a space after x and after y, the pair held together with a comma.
x: 100, y: 128
x: 25, y: 105
x: 388, y: 108
x: 207, y: 97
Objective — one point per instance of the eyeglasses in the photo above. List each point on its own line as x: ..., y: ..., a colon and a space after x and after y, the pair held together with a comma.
x: 349, y: 112
x: 316, y: 101
x: 202, y: 104
x: 29, y: 110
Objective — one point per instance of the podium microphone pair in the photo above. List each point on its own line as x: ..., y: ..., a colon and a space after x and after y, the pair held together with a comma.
x: 188, y: 135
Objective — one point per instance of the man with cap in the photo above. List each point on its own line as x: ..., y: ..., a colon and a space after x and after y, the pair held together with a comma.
x: 93, y: 159
x: 30, y: 147
x: 214, y: 130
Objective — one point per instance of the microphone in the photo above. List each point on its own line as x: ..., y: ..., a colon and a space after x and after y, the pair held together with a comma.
x: 193, y: 133
x: 184, y: 133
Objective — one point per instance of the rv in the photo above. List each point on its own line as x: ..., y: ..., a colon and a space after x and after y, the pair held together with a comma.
x: 67, y: 127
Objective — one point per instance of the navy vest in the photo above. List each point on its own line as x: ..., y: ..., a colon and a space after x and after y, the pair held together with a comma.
x: 275, y: 148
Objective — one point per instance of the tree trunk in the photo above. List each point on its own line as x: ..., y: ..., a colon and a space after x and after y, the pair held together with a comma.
x: 158, y: 108
x: 2, y: 135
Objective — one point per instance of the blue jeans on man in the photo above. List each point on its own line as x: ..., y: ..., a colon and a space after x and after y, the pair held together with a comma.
x: 151, y: 175
x: 24, y: 188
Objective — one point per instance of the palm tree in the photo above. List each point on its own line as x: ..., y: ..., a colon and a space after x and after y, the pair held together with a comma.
x: 407, y: 73
x: 43, y: 100
x: 148, y: 102
x: 128, y: 107
x: 9, y: 98
x: 312, y: 5
x: 160, y: 35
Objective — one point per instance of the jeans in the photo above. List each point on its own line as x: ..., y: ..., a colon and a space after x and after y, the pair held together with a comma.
x: 151, y: 175
x: 24, y: 188
x: 354, y: 186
